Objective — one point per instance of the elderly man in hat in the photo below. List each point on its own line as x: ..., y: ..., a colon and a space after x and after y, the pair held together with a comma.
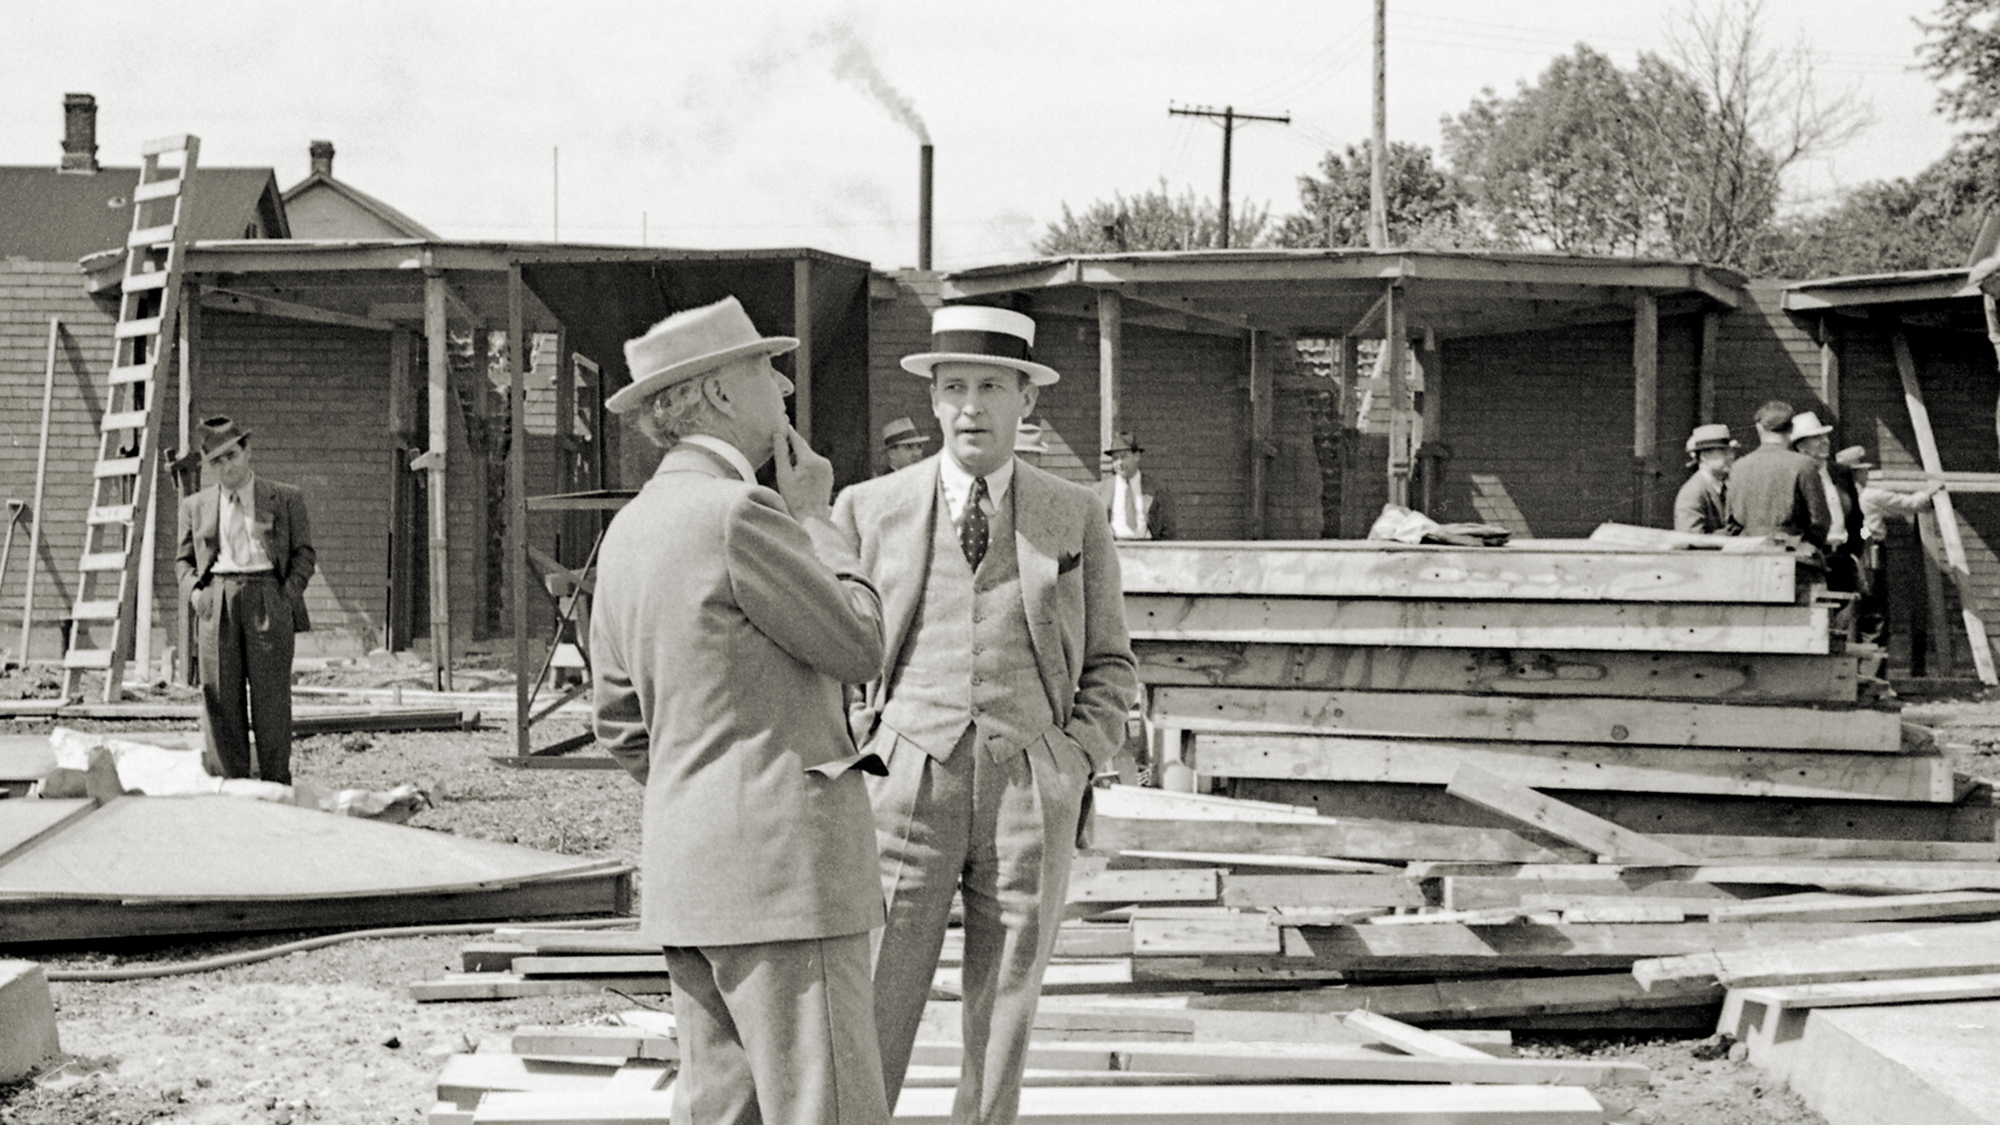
x: 1701, y: 508
x: 1775, y: 490
x: 728, y: 617
x: 902, y: 444
x: 243, y: 559
x: 1004, y: 686
x: 1812, y: 437
x: 1877, y: 505
x: 1138, y: 508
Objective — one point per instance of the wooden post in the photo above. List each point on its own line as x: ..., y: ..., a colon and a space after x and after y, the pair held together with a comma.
x: 1710, y: 360
x: 41, y: 479
x: 1431, y: 449
x: 1396, y: 344
x: 1943, y: 660
x: 1645, y: 404
x: 402, y: 434
x: 1947, y: 518
x: 802, y: 362
x: 1260, y: 435
x: 517, y: 496
x: 188, y: 481
x: 1829, y: 364
x: 433, y: 460
x: 1350, y: 405
x: 1110, y: 367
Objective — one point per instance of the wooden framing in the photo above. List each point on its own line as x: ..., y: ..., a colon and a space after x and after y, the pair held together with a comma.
x: 1518, y: 802
x: 1396, y: 365
x: 1261, y: 450
x: 1645, y: 406
x: 438, y: 373
x: 1110, y: 366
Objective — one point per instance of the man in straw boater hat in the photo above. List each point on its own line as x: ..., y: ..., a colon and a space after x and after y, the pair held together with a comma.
x: 243, y: 559
x: 728, y: 616
x: 1701, y: 507
x: 902, y: 444
x: 1004, y: 687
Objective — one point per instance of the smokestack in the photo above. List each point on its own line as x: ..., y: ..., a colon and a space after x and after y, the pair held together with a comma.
x: 322, y: 158
x: 924, y: 210
x: 79, y: 134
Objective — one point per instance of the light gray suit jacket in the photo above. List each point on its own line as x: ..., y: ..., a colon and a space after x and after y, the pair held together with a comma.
x: 1069, y: 586
x: 719, y: 644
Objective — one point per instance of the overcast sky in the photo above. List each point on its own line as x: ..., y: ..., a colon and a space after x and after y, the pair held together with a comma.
x: 755, y: 123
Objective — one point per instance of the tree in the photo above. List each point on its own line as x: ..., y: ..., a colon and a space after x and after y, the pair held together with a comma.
x: 1929, y: 221
x: 1424, y: 202
x: 1963, y: 49
x: 1155, y: 219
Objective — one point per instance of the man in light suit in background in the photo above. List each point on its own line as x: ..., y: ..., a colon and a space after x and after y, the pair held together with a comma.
x: 1137, y: 508
x: 1004, y: 688
x: 728, y: 617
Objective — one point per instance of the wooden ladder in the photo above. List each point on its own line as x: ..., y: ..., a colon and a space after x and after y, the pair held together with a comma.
x: 107, y: 591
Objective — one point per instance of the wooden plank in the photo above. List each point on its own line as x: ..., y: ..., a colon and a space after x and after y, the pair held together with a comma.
x: 1377, y: 839
x: 1277, y: 1105
x: 1607, y: 840
x: 1503, y: 718
x: 1258, y: 892
x: 1736, y: 678
x: 1749, y: 773
x: 1839, y: 875
x: 1947, y: 520
x: 1482, y: 624
x: 1863, y: 993
x: 1237, y: 861
x: 511, y: 986
x: 607, y: 1042
x: 1450, y: 948
x: 1182, y: 885
x: 600, y: 964
x: 1937, y: 951
x: 1218, y: 934
x: 576, y: 941
x: 1458, y: 1000
x: 1645, y: 405
x: 1407, y: 1039
x: 573, y: 1107
x: 1884, y: 908
x: 466, y: 1078
x: 1520, y: 571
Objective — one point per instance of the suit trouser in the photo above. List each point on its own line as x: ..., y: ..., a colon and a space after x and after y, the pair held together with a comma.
x: 1001, y: 833
x: 244, y: 632
x: 776, y: 1033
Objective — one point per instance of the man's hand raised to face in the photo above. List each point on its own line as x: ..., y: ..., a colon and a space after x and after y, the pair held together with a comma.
x: 805, y: 479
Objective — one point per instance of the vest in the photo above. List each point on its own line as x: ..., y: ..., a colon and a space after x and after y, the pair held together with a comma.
x: 969, y: 660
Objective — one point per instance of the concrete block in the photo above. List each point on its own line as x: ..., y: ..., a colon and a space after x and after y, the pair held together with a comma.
x: 27, y: 1020
x: 1930, y: 1063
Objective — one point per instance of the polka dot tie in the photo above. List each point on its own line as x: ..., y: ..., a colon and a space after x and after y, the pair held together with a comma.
x: 972, y: 531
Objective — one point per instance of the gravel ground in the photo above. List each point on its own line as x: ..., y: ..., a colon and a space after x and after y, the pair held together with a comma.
x: 330, y: 1035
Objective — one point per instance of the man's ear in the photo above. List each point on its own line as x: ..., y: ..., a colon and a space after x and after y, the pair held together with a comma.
x: 717, y: 395
x: 1028, y: 392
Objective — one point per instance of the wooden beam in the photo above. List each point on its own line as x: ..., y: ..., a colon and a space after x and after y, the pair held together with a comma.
x: 1518, y: 802
x: 1260, y: 892
x: 1452, y: 1061
x: 1448, y: 947
x: 225, y: 300
x: 438, y: 370
x: 1645, y: 407
x: 1261, y: 448
x: 1448, y: 1001
x: 1430, y: 450
x: 1798, y: 630
x: 1110, y: 370
x: 1500, y: 718
x: 1952, y: 905
x: 1352, y: 518
x: 517, y: 500
x: 802, y: 357
x: 1938, y: 951
x: 1829, y: 363
x: 1409, y: 1040
x: 1709, y: 365
x: 1309, y: 1104
x: 1947, y: 519
x: 1860, y: 876
x: 1396, y: 348
x: 1221, y: 933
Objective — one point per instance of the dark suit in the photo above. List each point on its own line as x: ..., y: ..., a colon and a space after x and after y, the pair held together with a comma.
x: 244, y: 627
x: 1159, y: 503
x: 1772, y: 489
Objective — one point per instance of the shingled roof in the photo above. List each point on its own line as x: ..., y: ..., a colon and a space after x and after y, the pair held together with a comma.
x: 51, y: 216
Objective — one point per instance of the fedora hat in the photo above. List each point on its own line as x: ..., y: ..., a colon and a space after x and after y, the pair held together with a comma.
x: 978, y: 334
x: 1806, y: 424
x: 688, y: 344
x: 1852, y: 458
x: 219, y: 434
x: 1028, y: 439
x: 1715, y: 435
x: 902, y: 431
x: 1126, y: 443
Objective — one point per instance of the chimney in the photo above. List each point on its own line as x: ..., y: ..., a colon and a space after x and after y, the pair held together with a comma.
x: 322, y: 158
x: 79, y: 134
x: 924, y: 209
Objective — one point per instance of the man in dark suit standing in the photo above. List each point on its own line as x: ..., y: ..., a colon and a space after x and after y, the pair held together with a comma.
x: 243, y: 560
x: 1138, y: 508
x: 1775, y: 490
x: 1004, y: 685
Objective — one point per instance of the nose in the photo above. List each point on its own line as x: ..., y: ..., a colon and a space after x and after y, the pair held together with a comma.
x: 784, y: 385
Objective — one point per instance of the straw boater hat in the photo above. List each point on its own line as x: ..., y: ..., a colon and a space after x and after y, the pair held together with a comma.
x: 1028, y: 439
x: 1126, y: 443
x: 902, y: 431
x: 1806, y: 424
x: 218, y: 435
x: 1715, y: 435
x: 1853, y: 458
x: 977, y: 334
x: 691, y: 343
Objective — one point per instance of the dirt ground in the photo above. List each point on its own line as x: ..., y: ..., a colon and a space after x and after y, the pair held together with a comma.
x: 330, y: 1035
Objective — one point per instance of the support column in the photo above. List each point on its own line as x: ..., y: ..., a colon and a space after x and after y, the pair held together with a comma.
x: 1708, y: 362
x: 1349, y: 407
x: 1829, y: 364
x: 1431, y: 451
x: 1260, y: 435
x: 186, y: 472
x: 517, y: 498
x: 1645, y: 405
x: 802, y: 363
x: 1395, y: 339
x: 438, y: 364
x: 1110, y: 368
x: 403, y: 434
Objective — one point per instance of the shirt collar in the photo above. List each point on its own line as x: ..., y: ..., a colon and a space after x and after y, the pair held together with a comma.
x: 247, y: 495
x: 958, y: 483
x: 729, y: 453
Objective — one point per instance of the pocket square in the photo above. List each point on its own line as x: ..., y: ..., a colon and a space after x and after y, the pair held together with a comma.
x: 1067, y: 563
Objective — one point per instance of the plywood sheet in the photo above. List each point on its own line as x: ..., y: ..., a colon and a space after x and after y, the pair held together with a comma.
x: 23, y: 824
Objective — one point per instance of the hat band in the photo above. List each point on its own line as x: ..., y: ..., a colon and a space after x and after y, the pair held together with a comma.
x: 1000, y: 345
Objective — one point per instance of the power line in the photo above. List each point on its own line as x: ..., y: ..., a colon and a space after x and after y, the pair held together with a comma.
x: 1229, y: 117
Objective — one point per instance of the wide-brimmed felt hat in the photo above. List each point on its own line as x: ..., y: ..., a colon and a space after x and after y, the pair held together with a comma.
x: 1853, y: 457
x: 1125, y: 443
x: 1028, y: 439
x: 1714, y: 435
x: 219, y: 434
x: 978, y: 334
x: 1806, y: 424
x: 902, y: 431
x: 688, y: 344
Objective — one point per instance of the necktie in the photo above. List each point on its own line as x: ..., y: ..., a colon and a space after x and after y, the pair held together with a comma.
x: 236, y: 528
x: 1132, y: 507
x: 972, y: 531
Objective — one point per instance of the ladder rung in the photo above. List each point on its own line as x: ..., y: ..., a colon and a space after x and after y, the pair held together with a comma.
x: 151, y: 236
x: 136, y: 373
x: 126, y: 329
x: 144, y: 280
x: 87, y: 658
x: 109, y: 514
x: 123, y: 420
x: 104, y: 560
x: 158, y: 189
x: 159, y: 145
x: 118, y: 467
x: 105, y: 609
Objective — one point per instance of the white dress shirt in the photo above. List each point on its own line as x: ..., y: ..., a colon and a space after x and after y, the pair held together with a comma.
x: 1122, y: 526
x: 1836, y: 531
x: 726, y: 451
x: 958, y: 485
x: 248, y: 554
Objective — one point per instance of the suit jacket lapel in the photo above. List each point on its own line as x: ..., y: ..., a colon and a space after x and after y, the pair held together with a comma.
x: 908, y: 525
x: 1037, y: 542
x: 264, y: 522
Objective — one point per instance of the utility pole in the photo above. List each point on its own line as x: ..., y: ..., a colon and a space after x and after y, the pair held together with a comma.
x: 1378, y: 199
x: 1229, y: 117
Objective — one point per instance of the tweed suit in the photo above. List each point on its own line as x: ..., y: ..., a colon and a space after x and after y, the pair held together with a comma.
x: 244, y: 631
x: 1001, y: 691
x: 722, y: 633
